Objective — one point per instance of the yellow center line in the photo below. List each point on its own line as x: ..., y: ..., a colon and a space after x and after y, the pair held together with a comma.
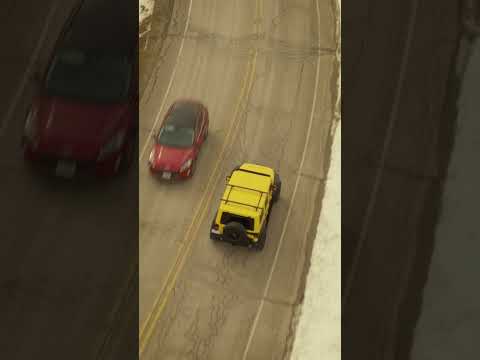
x: 199, y: 206
x: 149, y: 325
x: 160, y: 302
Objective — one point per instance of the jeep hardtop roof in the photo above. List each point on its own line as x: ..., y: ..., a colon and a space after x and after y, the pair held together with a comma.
x: 247, y: 191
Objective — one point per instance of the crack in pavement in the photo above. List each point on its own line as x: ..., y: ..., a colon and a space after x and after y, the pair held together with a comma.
x: 245, y: 43
x: 285, y: 9
x: 313, y: 177
x: 178, y: 311
x: 203, y: 340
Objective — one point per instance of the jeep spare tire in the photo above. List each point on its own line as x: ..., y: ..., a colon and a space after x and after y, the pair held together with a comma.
x: 234, y: 232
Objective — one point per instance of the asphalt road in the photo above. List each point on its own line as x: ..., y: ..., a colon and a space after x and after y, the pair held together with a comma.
x: 267, y: 72
x: 66, y: 248
x: 397, y: 60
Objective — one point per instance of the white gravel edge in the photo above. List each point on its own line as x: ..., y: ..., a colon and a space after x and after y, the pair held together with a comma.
x: 318, y: 333
x: 145, y: 9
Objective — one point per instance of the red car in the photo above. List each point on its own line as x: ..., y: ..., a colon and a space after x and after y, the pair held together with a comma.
x: 179, y: 140
x: 85, y: 115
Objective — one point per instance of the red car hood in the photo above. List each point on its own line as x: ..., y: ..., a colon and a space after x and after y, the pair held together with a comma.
x: 82, y: 127
x: 169, y: 158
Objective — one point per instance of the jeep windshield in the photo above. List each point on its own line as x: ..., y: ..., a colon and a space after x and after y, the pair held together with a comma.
x: 91, y: 76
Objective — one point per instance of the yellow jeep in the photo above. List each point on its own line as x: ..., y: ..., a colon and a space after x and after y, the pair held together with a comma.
x: 244, y: 210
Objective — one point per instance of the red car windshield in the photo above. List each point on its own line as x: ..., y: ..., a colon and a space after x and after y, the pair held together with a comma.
x: 87, y: 76
x: 179, y: 128
x: 173, y: 136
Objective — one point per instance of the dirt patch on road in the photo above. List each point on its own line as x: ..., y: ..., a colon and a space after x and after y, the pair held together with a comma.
x: 154, y: 31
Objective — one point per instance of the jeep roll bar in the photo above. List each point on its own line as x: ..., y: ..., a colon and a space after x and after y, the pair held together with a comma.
x: 246, y: 188
x: 252, y: 172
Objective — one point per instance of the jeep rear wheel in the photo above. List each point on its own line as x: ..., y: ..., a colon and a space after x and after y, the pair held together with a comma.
x: 277, y: 188
x: 260, y: 244
x: 234, y: 232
